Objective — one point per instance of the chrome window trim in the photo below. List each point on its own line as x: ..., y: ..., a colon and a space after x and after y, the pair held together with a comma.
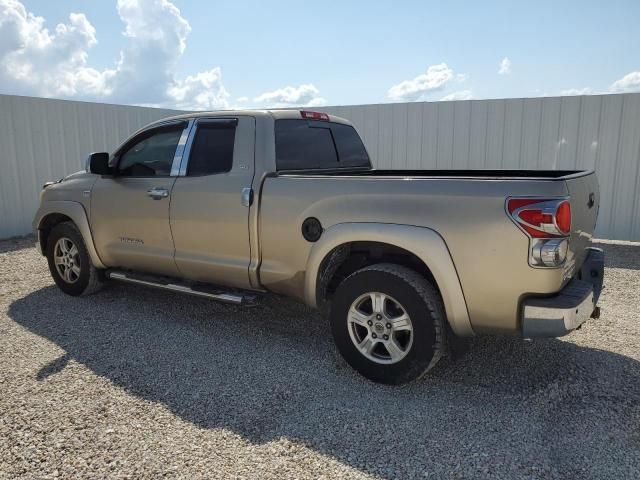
x: 192, y: 133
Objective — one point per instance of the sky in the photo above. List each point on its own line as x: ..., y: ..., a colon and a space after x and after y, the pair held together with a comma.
x: 207, y: 55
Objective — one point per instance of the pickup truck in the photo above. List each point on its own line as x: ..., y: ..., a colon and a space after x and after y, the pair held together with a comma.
x: 234, y: 205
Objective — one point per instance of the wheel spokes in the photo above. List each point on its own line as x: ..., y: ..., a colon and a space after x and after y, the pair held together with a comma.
x: 395, y: 351
x: 358, y: 317
x: 64, y: 246
x: 400, y: 323
x: 377, y: 302
x: 367, y: 345
x: 380, y: 327
x: 66, y: 258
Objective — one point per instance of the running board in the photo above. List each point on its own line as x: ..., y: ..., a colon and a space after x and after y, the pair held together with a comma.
x: 225, y: 297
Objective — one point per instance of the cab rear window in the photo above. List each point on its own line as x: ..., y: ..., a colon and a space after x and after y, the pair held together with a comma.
x: 310, y: 144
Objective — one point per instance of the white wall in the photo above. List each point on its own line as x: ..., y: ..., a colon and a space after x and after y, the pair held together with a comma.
x: 43, y: 139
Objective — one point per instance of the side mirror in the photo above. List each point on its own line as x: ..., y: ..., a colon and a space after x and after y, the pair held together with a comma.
x: 98, y: 163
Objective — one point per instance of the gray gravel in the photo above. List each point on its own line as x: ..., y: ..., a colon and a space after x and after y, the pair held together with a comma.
x: 135, y: 382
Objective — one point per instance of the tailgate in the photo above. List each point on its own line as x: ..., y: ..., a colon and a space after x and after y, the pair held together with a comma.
x: 585, y: 202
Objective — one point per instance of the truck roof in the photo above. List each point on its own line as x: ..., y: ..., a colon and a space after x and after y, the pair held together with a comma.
x: 276, y: 114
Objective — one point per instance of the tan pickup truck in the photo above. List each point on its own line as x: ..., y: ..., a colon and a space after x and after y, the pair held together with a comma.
x: 233, y: 205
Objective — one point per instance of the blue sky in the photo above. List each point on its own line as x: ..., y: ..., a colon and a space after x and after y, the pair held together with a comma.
x: 331, y: 52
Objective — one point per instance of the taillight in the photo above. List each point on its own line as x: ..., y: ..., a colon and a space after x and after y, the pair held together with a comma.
x: 547, y: 222
x: 563, y: 217
x: 314, y: 115
x: 541, y: 218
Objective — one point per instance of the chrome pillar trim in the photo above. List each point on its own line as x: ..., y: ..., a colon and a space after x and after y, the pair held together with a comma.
x: 184, y: 160
x: 177, y: 158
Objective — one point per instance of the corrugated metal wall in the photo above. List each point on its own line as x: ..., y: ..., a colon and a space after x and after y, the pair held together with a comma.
x: 600, y: 132
x: 42, y: 139
x: 45, y: 139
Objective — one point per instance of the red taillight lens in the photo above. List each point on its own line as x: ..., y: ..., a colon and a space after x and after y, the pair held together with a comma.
x: 535, y: 217
x: 314, y: 115
x: 563, y: 217
x: 541, y: 218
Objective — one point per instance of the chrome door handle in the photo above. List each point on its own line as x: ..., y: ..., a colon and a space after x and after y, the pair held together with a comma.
x: 246, y: 196
x: 157, y: 193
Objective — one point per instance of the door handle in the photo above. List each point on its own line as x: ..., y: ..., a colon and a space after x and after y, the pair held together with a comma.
x: 157, y: 193
x: 246, y: 196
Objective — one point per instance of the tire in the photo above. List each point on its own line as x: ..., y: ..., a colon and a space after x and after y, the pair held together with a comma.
x: 421, y: 341
x: 83, y: 278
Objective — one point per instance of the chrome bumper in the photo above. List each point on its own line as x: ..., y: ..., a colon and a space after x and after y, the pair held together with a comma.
x: 577, y: 302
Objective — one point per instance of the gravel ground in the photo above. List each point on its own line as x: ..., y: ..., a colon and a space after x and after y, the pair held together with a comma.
x: 136, y: 382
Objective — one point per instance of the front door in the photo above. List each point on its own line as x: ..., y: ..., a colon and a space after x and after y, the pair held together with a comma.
x: 209, y: 221
x: 130, y: 211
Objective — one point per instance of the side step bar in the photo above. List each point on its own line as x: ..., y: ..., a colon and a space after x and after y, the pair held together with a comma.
x: 225, y: 297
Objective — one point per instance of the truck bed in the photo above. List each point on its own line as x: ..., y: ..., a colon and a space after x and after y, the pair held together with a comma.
x: 484, y: 174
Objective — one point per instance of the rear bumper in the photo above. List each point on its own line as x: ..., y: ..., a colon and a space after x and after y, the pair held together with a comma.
x: 577, y: 302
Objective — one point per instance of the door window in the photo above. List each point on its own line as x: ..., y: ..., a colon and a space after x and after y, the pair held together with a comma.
x: 212, y: 150
x: 150, y: 155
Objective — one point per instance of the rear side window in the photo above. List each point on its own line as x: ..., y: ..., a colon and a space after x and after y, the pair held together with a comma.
x: 212, y: 150
x: 308, y: 144
x: 351, y: 150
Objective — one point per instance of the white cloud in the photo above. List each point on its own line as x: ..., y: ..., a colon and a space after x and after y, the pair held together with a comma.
x: 505, y: 66
x: 203, y: 91
x: 459, y: 95
x: 577, y: 91
x: 436, y: 78
x: 242, y: 99
x: 306, y: 95
x: 34, y: 61
x: 629, y: 83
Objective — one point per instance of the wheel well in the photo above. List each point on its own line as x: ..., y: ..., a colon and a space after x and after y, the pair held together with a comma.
x: 345, y: 259
x: 47, y: 225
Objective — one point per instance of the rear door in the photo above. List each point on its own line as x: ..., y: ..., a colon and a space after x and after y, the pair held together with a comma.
x: 209, y: 217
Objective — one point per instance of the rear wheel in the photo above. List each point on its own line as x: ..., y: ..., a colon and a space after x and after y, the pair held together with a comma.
x: 69, y: 261
x: 388, y: 323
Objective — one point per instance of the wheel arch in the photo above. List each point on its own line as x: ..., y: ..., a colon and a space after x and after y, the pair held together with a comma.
x: 53, y: 213
x: 423, y: 249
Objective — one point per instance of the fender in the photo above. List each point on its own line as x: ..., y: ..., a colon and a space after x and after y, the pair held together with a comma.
x: 423, y: 242
x: 75, y: 211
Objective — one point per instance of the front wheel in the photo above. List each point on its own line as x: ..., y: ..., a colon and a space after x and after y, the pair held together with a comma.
x: 388, y: 323
x: 69, y: 261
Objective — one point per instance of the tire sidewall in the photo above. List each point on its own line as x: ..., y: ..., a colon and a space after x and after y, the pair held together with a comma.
x: 415, y: 363
x: 71, y: 232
